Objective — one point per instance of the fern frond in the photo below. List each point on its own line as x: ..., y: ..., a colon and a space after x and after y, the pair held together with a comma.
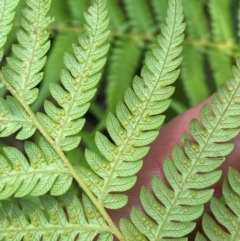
x: 222, y: 67
x: 191, y: 169
x: 137, y: 119
x: 63, y: 124
x: 193, y: 78
x: 160, y: 10
x: 52, y: 69
x: 116, y: 87
x: 42, y: 173
x: 222, y: 29
x: 7, y: 14
x: 117, y: 18
x: 140, y: 17
x: 14, y: 118
x: 76, y: 7
x: 227, y: 215
x: 81, y: 222
x: 196, y: 21
x: 221, y: 21
x: 59, y: 11
x: 23, y: 71
x: 200, y: 237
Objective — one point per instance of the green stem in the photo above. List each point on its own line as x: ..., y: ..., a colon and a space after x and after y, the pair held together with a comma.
x: 66, y: 162
x: 146, y: 37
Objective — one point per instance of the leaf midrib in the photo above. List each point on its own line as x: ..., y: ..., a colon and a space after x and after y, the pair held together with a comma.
x: 176, y: 197
x: 138, y: 119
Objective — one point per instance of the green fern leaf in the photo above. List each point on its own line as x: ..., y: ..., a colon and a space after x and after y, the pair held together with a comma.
x: 227, y: 215
x: 193, y: 78
x: 44, y: 173
x: 14, y: 118
x: 160, y: 10
x: 221, y: 21
x: 190, y: 171
x: 75, y: 7
x: 222, y: 34
x: 62, y: 43
x: 117, y: 19
x: 32, y: 223
x: 196, y: 22
x: 199, y: 237
x: 79, y: 81
x: 6, y: 16
x: 121, y: 50
x: 23, y: 71
x: 137, y: 120
x: 140, y: 16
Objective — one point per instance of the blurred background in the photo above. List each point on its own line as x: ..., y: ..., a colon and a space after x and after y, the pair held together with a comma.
x: 210, y: 49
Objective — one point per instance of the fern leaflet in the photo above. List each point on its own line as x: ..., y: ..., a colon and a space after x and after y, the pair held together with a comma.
x: 6, y: 16
x: 63, y: 124
x: 42, y: 173
x: 191, y: 169
x: 23, y: 72
x: 33, y: 224
x: 229, y: 215
x: 137, y: 119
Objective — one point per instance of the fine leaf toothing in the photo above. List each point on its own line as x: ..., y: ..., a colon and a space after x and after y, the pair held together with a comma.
x: 32, y: 173
x: 137, y: 119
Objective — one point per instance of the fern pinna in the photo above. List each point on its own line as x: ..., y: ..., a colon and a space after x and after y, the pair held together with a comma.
x: 28, y: 213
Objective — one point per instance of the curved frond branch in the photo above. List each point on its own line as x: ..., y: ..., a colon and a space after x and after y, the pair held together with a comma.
x: 191, y: 169
x: 79, y: 221
x: 140, y: 17
x: 72, y: 170
x: 86, y: 85
x: 138, y: 118
x: 23, y: 71
x: 42, y: 172
x: 7, y: 14
x: 228, y: 214
x: 79, y: 81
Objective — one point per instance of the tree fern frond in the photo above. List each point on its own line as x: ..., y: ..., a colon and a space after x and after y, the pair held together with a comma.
x: 79, y: 81
x: 7, y: 14
x: 223, y: 34
x: 116, y: 87
x: 117, y: 18
x: 42, y: 173
x: 23, y: 71
x: 196, y: 22
x: 75, y: 7
x: 222, y: 67
x: 227, y: 215
x: 140, y: 17
x: 221, y: 21
x: 160, y: 10
x: 192, y: 169
x: 62, y: 43
x: 193, y: 78
x: 59, y: 11
x: 137, y: 119
x: 81, y: 222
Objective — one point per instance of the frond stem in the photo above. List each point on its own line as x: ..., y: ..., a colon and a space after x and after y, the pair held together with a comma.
x: 191, y: 170
x: 146, y: 37
x: 66, y: 162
